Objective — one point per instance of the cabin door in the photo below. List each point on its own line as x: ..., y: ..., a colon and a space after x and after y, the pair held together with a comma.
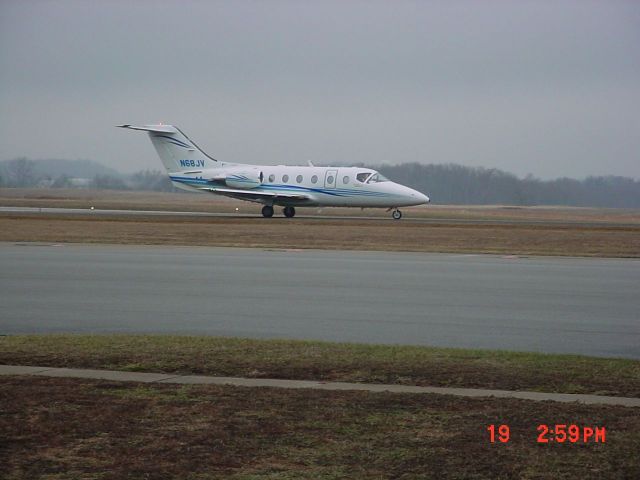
x: 330, y: 178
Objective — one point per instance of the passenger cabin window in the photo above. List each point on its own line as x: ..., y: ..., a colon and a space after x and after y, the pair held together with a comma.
x: 285, y: 178
x: 272, y: 178
x: 299, y: 179
x: 314, y: 179
x: 345, y: 179
x: 362, y: 177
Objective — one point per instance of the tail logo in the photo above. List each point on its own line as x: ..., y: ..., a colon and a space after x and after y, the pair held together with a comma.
x: 174, y: 141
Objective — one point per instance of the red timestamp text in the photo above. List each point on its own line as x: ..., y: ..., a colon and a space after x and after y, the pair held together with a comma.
x: 561, y: 433
x: 558, y: 433
x: 504, y: 433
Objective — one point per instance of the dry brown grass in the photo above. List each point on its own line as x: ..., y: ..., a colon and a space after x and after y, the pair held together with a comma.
x: 498, y: 230
x: 68, y: 428
x: 609, y: 241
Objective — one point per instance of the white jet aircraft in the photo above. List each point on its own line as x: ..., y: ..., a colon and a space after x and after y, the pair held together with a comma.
x: 191, y: 169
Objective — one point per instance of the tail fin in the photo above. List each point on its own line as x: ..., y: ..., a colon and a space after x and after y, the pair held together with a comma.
x: 177, y: 152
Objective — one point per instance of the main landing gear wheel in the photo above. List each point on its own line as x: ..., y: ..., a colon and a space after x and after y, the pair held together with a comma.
x: 289, y: 212
x: 397, y: 214
x: 267, y: 211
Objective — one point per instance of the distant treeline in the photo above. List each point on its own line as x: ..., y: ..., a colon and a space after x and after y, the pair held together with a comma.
x: 456, y: 184
x: 445, y: 184
x: 22, y: 172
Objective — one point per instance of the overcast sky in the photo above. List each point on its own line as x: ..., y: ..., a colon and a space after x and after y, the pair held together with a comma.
x: 547, y: 88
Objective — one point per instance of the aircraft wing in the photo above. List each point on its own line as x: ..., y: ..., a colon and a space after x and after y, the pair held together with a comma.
x: 254, y: 196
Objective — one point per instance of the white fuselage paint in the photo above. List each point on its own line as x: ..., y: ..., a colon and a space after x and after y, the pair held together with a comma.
x: 325, y: 186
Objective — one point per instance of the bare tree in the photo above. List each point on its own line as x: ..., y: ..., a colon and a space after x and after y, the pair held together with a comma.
x: 20, y: 173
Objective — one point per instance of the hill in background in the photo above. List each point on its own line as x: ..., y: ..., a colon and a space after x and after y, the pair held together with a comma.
x: 72, y: 168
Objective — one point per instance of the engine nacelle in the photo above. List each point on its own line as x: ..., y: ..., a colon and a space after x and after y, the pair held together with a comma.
x: 244, y: 180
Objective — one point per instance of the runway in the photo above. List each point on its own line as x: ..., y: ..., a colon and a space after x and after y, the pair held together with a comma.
x: 304, y: 213
x: 543, y: 304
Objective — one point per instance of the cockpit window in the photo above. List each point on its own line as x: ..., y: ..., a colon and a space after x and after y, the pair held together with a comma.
x: 362, y: 176
x: 377, y: 177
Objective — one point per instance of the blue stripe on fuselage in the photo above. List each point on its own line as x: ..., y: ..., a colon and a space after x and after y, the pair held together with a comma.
x: 336, y: 192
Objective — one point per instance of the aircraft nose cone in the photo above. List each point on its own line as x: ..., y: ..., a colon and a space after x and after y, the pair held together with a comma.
x: 420, y: 196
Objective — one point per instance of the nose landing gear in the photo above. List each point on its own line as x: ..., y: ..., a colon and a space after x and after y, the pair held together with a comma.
x: 397, y: 214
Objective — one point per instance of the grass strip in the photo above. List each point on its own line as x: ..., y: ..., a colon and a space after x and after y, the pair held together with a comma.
x: 374, y: 235
x: 310, y: 360
x: 69, y: 428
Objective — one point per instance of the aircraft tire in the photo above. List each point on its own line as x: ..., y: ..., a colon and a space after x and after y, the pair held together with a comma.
x: 289, y: 212
x: 397, y: 214
x: 267, y: 211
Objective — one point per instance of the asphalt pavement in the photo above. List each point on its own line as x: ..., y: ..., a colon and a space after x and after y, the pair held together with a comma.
x: 543, y: 304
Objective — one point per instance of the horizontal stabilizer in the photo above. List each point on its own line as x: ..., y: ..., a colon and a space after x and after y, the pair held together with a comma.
x: 151, y: 128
